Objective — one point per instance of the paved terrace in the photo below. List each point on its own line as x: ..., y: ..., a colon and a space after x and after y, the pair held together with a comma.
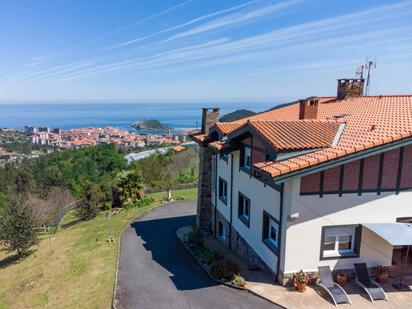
x: 315, y: 297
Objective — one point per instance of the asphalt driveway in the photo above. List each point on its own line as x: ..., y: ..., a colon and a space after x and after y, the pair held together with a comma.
x: 156, y: 272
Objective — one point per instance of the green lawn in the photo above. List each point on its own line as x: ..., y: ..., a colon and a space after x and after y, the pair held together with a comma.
x: 187, y: 194
x: 74, y: 269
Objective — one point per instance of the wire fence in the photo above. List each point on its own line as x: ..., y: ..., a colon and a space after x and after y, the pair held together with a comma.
x: 55, y: 222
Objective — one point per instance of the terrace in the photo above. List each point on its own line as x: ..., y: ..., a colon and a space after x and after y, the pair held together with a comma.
x: 261, y: 283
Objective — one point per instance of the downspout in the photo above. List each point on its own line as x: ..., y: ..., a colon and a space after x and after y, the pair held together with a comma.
x: 280, y: 230
x: 231, y: 199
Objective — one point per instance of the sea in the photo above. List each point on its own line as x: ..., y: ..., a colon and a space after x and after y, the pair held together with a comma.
x: 180, y: 116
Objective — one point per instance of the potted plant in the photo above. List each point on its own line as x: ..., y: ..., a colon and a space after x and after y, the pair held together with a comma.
x: 381, y: 273
x: 341, y: 278
x: 300, y: 281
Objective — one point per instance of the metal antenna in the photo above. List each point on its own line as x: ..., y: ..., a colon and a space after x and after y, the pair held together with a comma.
x: 368, y: 66
x: 359, y: 71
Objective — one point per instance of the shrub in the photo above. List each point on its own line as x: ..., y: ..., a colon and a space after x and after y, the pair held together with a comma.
x: 224, y: 269
x: 213, y: 256
x: 195, y: 238
x: 207, y: 256
x: 89, y: 206
x: 180, y: 198
x: 238, y: 280
x: 143, y: 202
x: 17, y: 227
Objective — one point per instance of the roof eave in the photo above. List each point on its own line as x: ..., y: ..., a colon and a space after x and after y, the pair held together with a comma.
x: 342, y: 160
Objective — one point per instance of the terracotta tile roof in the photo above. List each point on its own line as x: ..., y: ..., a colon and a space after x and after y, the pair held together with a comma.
x: 227, y: 127
x: 219, y: 145
x: 370, y: 121
x: 178, y: 148
x: 296, y: 134
x: 198, y: 137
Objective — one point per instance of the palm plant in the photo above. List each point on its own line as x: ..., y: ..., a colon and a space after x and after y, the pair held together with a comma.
x: 130, y: 187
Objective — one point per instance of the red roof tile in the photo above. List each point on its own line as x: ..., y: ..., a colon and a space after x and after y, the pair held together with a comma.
x: 296, y: 134
x: 370, y: 121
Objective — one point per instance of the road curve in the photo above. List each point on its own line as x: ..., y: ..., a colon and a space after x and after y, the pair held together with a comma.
x: 156, y: 272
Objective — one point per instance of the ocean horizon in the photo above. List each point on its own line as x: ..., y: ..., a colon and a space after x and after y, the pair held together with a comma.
x: 121, y: 115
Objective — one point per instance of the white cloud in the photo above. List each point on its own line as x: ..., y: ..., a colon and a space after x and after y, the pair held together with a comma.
x: 190, y: 22
x: 236, y: 18
x: 346, y: 32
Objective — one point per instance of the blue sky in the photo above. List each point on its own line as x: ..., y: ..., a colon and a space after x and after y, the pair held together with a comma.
x: 199, y: 50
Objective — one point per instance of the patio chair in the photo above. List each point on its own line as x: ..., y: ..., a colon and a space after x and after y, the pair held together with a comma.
x: 371, y: 287
x: 336, y: 292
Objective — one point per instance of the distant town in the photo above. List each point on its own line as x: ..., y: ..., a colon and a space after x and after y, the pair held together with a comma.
x: 44, y: 140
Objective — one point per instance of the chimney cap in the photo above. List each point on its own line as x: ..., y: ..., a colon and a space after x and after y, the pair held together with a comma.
x: 358, y: 79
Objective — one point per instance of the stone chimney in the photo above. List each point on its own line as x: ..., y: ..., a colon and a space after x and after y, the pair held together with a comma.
x: 204, y: 198
x: 350, y: 87
x: 209, y: 118
x: 308, y: 108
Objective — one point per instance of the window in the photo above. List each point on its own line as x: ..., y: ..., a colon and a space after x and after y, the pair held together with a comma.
x: 223, y: 190
x: 244, y: 209
x: 270, y: 232
x: 222, y: 231
x: 246, y: 161
x: 223, y: 156
x: 340, y: 241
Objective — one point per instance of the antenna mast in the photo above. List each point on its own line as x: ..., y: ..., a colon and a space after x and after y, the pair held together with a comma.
x: 368, y: 66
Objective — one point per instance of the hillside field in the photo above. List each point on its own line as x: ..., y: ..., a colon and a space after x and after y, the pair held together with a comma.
x: 75, y: 268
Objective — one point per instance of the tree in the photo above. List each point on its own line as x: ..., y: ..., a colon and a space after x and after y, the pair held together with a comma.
x: 24, y: 181
x: 130, y: 187
x: 88, y: 207
x: 17, y: 227
x: 2, y: 200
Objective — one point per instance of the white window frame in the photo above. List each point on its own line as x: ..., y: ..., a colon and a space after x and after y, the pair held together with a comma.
x: 247, y: 163
x: 245, y: 218
x: 272, y: 244
x: 275, y: 226
x: 223, y: 195
x: 337, y: 233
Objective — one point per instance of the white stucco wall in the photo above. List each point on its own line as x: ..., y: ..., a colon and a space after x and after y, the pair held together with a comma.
x: 303, y: 236
x: 223, y: 171
x: 261, y: 198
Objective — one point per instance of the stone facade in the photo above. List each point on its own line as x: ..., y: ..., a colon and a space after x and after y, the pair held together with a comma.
x: 239, y: 244
x: 204, y: 198
x: 350, y: 88
x: 209, y: 118
x: 204, y: 201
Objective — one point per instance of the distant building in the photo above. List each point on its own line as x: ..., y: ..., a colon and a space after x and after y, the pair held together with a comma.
x: 57, y: 131
x: 30, y: 130
x: 44, y: 129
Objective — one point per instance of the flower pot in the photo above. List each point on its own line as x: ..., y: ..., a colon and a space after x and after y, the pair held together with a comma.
x: 341, y: 279
x: 382, y: 276
x: 300, y: 287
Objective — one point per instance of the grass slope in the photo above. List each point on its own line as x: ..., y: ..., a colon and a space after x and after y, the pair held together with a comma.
x: 75, y: 269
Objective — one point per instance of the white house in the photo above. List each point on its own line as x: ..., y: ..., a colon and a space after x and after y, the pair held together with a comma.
x: 309, y: 183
